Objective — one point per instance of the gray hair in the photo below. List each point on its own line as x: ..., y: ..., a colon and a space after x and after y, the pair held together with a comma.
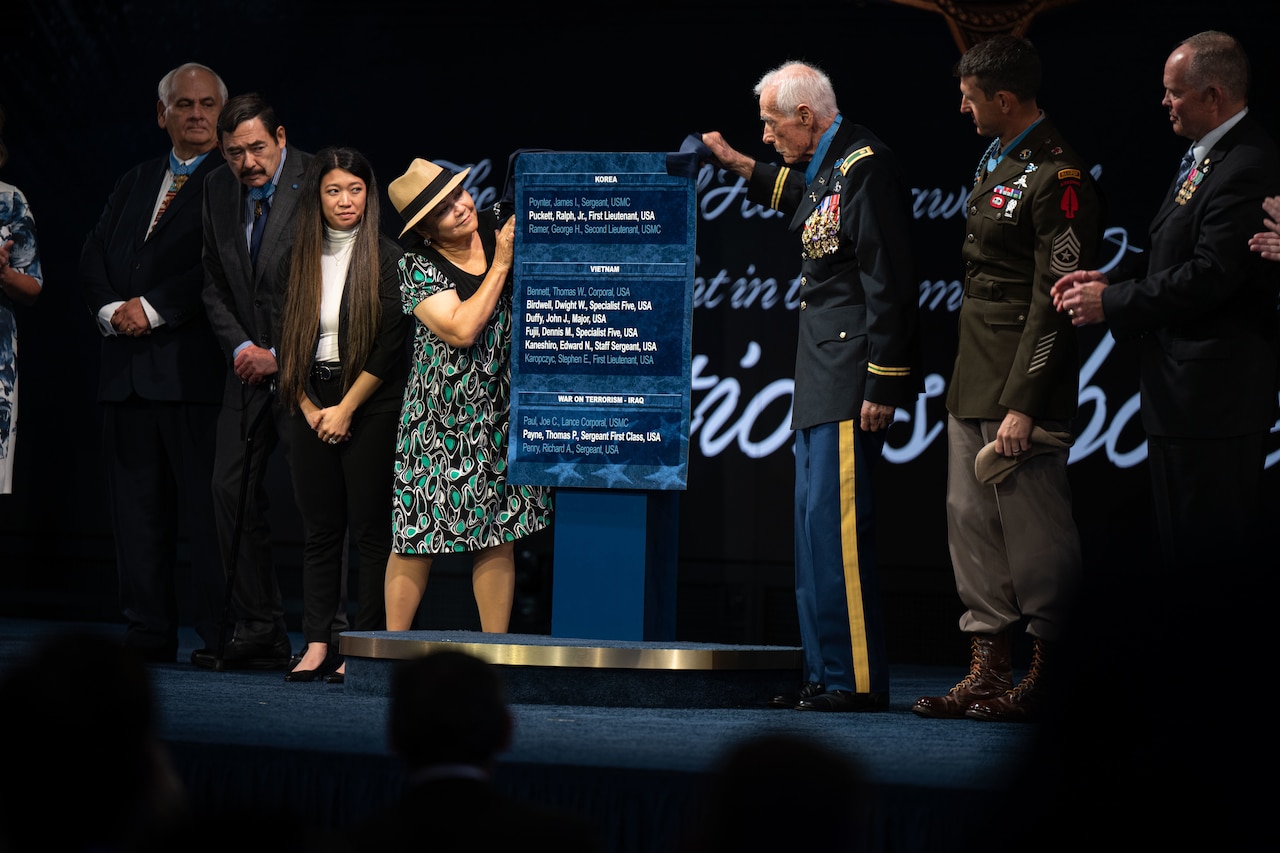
x: 796, y: 83
x: 1217, y: 59
x: 165, y: 89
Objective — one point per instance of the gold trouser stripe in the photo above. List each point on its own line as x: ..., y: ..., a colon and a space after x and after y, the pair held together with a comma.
x: 852, y: 568
x: 778, y: 183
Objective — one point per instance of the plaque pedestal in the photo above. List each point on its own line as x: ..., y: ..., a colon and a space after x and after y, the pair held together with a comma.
x: 614, y: 576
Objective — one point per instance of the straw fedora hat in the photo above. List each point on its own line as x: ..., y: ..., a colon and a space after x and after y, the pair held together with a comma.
x: 420, y: 189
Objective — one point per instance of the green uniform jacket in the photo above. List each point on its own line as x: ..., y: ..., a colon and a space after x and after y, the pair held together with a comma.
x: 1035, y: 217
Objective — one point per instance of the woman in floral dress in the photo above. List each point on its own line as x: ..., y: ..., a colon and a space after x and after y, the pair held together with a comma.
x: 20, y: 283
x: 451, y: 492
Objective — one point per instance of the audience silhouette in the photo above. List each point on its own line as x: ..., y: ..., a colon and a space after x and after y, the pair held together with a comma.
x: 449, y: 722
x: 775, y: 791
x: 93, y: 776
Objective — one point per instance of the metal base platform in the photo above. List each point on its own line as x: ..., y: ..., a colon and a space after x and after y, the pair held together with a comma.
x: 542, y: 670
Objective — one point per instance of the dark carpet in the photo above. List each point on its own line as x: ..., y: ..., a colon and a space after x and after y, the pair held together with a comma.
x: 242, y: 740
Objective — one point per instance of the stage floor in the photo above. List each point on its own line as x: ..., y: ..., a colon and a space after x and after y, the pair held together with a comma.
x: 238, y: 737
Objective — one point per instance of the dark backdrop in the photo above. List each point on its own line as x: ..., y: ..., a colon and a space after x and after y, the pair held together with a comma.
x: 468, y: 83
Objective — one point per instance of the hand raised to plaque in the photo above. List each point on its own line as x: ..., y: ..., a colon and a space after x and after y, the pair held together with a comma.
x: 504, y: 256
x: 727, y: 156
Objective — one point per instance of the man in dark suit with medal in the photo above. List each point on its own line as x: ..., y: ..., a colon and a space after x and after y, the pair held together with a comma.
x: 249, y: 211
x: 857, y: 361
x: 1204, y: 316
x: 1033, y: 214
x: 160, y: 375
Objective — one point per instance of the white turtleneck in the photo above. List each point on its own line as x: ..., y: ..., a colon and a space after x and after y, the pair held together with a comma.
x: 334, y: 261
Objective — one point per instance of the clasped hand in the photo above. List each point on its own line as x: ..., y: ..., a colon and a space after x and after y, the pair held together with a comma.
x: 255, y: 365
x: 1079, y: 294
x: 1267, y: 243
x: 331, y: 425
x: 131, y: 319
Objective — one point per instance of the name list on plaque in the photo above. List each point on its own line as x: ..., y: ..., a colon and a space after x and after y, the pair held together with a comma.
x: 600, y: 358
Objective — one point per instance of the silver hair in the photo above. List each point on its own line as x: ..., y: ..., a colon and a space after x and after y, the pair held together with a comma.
x: 1218, y: 59
x: 796, y: 83
x: 165, y: 88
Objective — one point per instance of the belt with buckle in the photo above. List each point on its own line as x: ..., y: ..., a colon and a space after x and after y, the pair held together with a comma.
x: 326, y: 370
x: 995, y: 291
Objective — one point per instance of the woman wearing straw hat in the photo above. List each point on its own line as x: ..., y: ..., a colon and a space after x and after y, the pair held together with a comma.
x: 451, y: 492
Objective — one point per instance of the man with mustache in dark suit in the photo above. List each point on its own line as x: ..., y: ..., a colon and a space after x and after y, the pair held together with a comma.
x: 248, y: 228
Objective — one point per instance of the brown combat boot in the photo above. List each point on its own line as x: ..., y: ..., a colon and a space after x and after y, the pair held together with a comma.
x: 1024, y: 703
x: 990, y: 675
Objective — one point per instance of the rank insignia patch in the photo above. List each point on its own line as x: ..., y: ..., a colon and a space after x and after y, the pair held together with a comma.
x: 1065, y: 253
x: 848, y: 162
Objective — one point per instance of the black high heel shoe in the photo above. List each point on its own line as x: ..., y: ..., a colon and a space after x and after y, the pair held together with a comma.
x: 332, y: 660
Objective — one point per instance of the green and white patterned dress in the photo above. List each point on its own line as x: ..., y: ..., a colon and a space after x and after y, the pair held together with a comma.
x: 451, y: 490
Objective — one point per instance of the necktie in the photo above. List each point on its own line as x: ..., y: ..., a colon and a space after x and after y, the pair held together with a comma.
x: 180, y: 173
x: 261, y: 197
x: 1184, y: 168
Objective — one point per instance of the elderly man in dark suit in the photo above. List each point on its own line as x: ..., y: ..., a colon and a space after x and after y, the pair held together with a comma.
x: 160, y: 376
x: 249, y: 209
x: 857, y: 362
x: 1204, y: 315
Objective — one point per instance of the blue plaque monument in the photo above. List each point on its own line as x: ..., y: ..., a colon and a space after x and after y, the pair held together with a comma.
x: 600, y: 367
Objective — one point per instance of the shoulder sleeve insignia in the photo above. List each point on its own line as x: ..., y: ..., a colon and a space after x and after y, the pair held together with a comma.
x: 848, y: 162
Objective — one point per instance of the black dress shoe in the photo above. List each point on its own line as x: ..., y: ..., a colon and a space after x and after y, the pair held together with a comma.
x: 331, y: 662
x: 300, y: 675
x: 790, y: 700
x: 242, y: 654
x: 844, y: 700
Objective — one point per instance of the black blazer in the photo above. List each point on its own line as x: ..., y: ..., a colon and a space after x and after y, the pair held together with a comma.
x: 1205, y: 312
x: 389, y: 357
x: 243, y: 301
x: 179, y: 360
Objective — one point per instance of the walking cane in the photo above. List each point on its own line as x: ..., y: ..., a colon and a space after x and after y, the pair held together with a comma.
x: 237, y: 530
